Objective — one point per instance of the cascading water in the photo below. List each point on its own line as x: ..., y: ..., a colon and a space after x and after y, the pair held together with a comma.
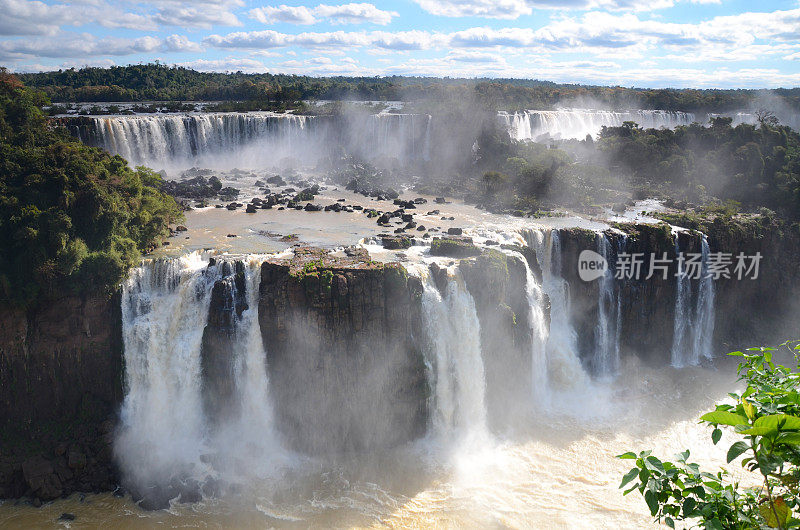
x: 563, y: 367
x: 166, y: 433
x: 606, y: 354
x: 704, y: 319
x: 162, y: 420
x: 693, y: 328
x: 256, y: 140
x: 578, y: 123
x: 166, y: 140
x: 453, y: 354
x: 537, y: 321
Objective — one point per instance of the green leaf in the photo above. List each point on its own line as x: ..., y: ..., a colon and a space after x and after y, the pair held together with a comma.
x: 654, y: 464
x: 789, y: 438
x: 670, y: 522
x: 652, y: 502
x: 627, y: 456
x: 716, y: 435
x: 723, y: 417
x: 735, y: 450
x: 630, y: 475
x: 689, y: 506
x: 758, y: 431
x: 749, y: 409
x: 779, y: 421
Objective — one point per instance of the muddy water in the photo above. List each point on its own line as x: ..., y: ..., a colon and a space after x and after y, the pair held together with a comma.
x: 554, y: 470
x: 262, y: 231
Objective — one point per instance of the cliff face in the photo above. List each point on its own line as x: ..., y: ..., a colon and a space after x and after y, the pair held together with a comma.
x: 60, y: 388
x: 762, y: 311
x: 345, y: 371
x: 747, y: 311
x: 497, y: 282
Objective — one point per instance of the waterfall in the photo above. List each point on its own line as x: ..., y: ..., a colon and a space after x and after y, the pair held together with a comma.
x: 564, y: 366
x: 569, y: 123
x: 606, y: 350
x: 693, y: 327
x: 165, y: 431
x: 453, y: 354
x: 537, y: 321
x: 704, y: 312
x: 254, y: 140
x: 162, y: 415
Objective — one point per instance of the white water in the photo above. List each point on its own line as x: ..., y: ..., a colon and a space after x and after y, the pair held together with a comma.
x: 453, y: 354
x: 164, y: 432
x: 607, y: 330
x: 568, y: 123
x: 162, y: 421
x: 256, y: 140
x: 563, y: 365
x: 693, y: 329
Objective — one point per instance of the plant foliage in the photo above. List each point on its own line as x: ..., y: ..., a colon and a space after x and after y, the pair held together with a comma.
x: 70, y: 216
x: 766, y: 418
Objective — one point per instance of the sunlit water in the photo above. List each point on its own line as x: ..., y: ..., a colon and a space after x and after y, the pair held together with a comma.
x: 557, y: 470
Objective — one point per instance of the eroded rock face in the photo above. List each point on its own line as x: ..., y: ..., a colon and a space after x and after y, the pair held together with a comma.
x: 345, y: 371
x: 228, y: 302
x: 497, y: 283
x: 60, y: 389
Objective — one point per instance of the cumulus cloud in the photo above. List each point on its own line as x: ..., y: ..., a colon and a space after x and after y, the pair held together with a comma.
x: 180, y: 43
x: 31, y: 17
x: 339, y: 14
x: 197, y: 15
x: 86, y: 45
x: 229, y: 64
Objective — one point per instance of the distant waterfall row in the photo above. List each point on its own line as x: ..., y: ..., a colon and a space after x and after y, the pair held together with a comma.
x: 578, y: 123
x: 254, y: 140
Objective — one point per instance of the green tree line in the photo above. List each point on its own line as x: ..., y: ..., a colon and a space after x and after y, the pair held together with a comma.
x: 159, y: 82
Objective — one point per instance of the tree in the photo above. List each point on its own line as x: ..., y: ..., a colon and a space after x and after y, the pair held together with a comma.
x: 71, y: 216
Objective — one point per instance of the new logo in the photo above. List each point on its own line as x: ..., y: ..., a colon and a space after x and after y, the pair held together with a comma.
x: 591, y: 265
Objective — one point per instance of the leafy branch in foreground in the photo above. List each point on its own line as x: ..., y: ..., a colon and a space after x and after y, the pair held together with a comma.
x: 767, y: 418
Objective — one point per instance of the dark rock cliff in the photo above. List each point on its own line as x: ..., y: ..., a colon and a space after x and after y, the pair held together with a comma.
x: 60, y: 389
x: 345, y: 370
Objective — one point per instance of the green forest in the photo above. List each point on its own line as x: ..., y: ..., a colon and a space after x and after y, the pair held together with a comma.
x: 718, y: 168
x: 71, y: 216
x: 159, y: 82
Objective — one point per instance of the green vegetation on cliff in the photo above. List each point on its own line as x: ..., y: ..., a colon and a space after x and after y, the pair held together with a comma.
x: 70, y: 216
x: 716, y: 169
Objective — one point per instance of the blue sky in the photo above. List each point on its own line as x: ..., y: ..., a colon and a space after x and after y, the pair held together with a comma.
x: 644, y: 43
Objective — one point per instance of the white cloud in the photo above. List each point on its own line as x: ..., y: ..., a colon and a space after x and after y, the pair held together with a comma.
x: 509, y: 9
x: 197, y: 15
x: 512, y: 9
x: 355, y: 14
x: 283, y: 13
x: 31, y: 17
x: 339, y: 14
x: 180, y: 43
x: 84, y: 46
